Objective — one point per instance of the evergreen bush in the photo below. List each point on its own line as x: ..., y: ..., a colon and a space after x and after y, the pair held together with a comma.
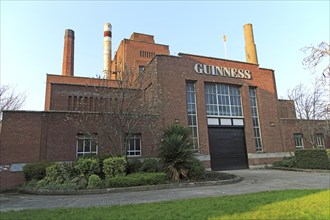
x: 94, y: 182
x: 59, y: 173
x: 36, y: 170
x: 312, y: 159
x: 151, y: 165
x: 196, y: 170
x: 133, y: 165
x: 328, y: 152
x: 136, y: 179
x: 114, y: 166
x: 287, y: 162
x: 87, y: 166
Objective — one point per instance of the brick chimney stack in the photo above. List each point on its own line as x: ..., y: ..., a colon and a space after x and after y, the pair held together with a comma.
x: 68, y: 55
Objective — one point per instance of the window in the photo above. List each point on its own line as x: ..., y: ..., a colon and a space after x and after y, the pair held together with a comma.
x: 133, y: 145
x: 255, y: 119
x: 320, y: 140
x: 141, y: 68
x: 223, y: 100
x: 298, y: 140
x: 147, y: 54
x: 86, y: 145
x: 192, y: 112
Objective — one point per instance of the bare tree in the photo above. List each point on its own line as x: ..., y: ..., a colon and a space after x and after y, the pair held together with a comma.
x: 9, y: 99
x: 131, y: 104
x: 316, y: 56
x: 312, y: 110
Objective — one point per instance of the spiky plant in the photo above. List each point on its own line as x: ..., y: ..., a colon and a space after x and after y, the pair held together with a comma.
x: 175, y: 151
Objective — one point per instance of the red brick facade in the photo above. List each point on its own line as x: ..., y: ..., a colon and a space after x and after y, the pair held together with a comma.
x: 50, y: 135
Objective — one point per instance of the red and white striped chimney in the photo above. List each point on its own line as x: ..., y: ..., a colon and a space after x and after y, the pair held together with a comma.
x: 107, y: 50
x: 68, y: 55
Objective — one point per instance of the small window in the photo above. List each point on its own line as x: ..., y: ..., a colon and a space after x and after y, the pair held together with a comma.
x: 133, y: 142
x: 320, y: 140
x: 298, y: 140
x: 141, y: 68
x: 86, y: 145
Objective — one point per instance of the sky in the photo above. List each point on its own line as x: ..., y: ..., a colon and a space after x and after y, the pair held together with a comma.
x: 32, y: 35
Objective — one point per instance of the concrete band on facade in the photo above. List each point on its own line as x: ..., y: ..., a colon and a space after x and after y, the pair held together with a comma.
x: 232, y: 107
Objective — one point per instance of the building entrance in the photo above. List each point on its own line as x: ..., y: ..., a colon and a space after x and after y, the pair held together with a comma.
x: 227, y: 148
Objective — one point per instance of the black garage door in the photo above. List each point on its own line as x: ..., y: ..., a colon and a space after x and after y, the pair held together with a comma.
x: 227, y: 147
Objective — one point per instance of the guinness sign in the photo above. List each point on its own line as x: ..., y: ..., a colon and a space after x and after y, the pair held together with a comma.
x: 222, y: 71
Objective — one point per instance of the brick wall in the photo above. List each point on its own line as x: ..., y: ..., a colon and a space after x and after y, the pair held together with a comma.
x: 28, y: 137
x: 69, y: 80
x: 173, y: 72
x: 20, y: 137
x: 11, y: 180
x: 291, y: 126
x: 287, y: 109
x: 135, y: 52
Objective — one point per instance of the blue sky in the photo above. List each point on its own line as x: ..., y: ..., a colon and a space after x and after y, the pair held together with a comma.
x: 32, y: 35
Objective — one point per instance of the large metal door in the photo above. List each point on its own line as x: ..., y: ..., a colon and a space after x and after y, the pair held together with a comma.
x: 227, y: 148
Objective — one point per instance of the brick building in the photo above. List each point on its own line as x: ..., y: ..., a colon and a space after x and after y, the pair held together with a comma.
x: 232, y: 108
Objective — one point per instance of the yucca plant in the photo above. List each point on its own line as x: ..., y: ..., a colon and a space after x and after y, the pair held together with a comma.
x: 175, y: 151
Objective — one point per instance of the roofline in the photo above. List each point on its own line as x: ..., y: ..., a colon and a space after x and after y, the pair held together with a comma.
x: 145, y: 42
x: 216, y: 58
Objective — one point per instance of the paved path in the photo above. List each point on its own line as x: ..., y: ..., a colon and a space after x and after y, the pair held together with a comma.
x: 254, y: 181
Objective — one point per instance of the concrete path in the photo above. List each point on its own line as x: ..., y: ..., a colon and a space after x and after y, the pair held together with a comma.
x: 254, y: 181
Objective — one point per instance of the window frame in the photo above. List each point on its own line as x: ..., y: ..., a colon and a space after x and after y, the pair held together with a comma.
x: 225, y: 92
x: 256, y: 120
x: 298, y: 137
x: 134, y: 137
x: 191, y: 100
x: 86, y: 138
x: 320, y: 143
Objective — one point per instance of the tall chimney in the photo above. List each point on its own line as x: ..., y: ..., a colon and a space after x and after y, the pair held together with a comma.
x: 250, y: 47
x: 107, y: 50
x: 68, y: 55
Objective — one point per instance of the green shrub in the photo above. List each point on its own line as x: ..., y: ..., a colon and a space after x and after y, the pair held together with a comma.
x: 80, y: 181
x: 287, y: 162
x: 35, y: 170
x: 94, y: 182
x: 114, y: 166
x: 151, y: 165
x: 136, y: 179
x: 328, y: 152
x: 87, y: 166
x: 60, y: 173
x: 175, y: 151
x: 312, y: 159
x: 196, y: 170
x: 133, y: 165
x: 42, y: 184
x: 30, y: 184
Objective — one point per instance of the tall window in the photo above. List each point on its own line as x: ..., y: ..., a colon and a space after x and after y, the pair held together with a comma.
x: 223, y: 100
x: 141, y: 68
x: 320, y: 140
x: 255, y: 119
x: 298, y: 140
x: 192, y: 113
x: 133, y: 145
x: 86, y: 145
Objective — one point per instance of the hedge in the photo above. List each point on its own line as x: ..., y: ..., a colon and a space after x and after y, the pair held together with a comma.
x: 136, y: 179
x: 286, y: 162
x: 312, y: 159
x: 36, y: 170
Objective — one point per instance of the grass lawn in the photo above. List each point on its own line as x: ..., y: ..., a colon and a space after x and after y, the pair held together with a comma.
x: 287, y: 204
